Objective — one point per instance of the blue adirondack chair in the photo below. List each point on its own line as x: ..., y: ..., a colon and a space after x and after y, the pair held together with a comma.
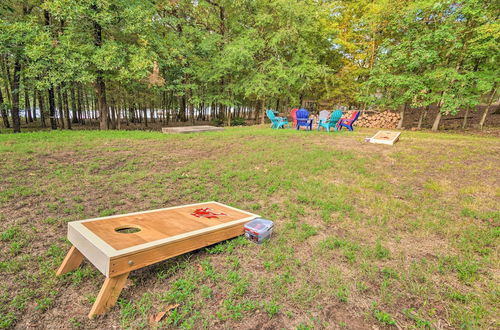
x: 303, y: 119
x: 276, y: 122
x: 330, y: 122
x: 348, y: 121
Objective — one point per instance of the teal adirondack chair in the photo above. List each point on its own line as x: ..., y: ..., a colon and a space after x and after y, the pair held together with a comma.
x: 277, y: 122
x: 331, y: 122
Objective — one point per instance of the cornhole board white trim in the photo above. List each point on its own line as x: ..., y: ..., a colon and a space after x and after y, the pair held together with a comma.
x: 191, y: 129
x: 117, y: 263
x: 385, y: 137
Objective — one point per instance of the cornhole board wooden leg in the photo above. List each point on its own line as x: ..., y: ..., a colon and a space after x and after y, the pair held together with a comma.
x: 108, y: 295
x: 71, y: 262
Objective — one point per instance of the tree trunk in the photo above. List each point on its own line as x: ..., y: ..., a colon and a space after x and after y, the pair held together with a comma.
x: 435, y: 125
x: 145, y: 114
x: 191, y: 108
x: 34, y: 105
x: 191, y: 113
x: 119, y: 116
x: 464, y: 123
x: 52, y: 106
x: 113, y: 113
x: 79, y: 104
x: 113, y: 116
x: 60, y: 108
x: 66, y: 108
x: 100, y: 86
x: 168, y: 107
x: 52, y: 109
x: 73, y: 104
x: 42, y: 109
x: 127, y: 112
x: 93, y: 108
x: 86, y: 107
x: 262, y: 111
x: 485, y: 113
x: 422, y: 117
x: 27, y: 107
x: 131, y: 114
x: 437, y: 120
x: 3, y: 109
x: 100, y: 90
x: 152, y: 112
x: 183, y: 108
x: 16, y: 122
x: 257, y: 109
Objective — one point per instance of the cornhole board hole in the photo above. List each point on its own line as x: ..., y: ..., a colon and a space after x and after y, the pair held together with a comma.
x: 191, y: 129
x: 119, y: 244
x: 385, y: 137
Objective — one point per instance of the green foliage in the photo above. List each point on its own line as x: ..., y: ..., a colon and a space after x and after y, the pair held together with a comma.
x: 467, y: 269
x: 437, y: 52
x: 217, y: 122
x: 419, y: 321
x: 107, y: 212
x: 272, y: 308
x: 238, y: 122
x: 383, y: 317
x: 44, y: 303
x: 10, y: 234
x: 342, y: 294
x: 226, y: 55
x: 7, y: 320
x: 381, y: 252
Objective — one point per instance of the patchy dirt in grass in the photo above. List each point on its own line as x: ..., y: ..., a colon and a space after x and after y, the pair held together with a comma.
x: 392, y: 253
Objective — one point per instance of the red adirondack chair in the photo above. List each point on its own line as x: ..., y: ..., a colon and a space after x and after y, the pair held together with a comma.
x: 294, y: 116
x: 348, y: 121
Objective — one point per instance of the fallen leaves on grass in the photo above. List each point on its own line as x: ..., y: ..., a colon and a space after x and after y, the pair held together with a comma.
x: 156, y: 318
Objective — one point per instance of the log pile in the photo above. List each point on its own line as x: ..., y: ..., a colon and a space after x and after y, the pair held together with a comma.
x: 386, y: 119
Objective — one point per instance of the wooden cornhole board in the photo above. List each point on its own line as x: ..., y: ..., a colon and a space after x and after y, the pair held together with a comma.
x: 385, y: 137
x: 111, y: 246
x: 191, y: 129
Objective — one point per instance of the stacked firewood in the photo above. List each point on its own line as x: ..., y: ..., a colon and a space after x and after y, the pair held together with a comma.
x: 385, y: 119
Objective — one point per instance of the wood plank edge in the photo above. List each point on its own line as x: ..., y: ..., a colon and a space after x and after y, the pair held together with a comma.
x: 169, y: 240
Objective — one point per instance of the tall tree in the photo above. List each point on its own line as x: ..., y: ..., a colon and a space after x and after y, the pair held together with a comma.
x: 3, y: 110
x: 17, y: 32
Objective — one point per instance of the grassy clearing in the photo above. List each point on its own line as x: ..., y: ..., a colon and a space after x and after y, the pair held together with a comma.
x: 365, y: 234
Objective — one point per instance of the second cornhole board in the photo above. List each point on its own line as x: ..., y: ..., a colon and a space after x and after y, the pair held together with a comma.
x: 385, y: 137
x: 191, y: 129
x: 117, y: 245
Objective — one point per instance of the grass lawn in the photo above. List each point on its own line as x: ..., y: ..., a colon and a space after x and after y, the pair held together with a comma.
x: 365, y: 235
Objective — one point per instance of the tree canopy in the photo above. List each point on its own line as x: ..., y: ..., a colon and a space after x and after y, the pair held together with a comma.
x: 106, y: 60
